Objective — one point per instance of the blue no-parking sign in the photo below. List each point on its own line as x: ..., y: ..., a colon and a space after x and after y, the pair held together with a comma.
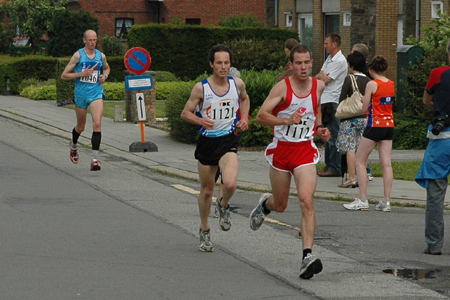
x: 137, y: 60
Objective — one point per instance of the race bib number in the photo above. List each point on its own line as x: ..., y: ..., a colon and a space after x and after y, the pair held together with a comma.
x: 299, y: 132
x: 222, y: 110
x: 90, y: 79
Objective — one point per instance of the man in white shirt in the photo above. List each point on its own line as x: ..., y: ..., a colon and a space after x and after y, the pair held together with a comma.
x: 333, y: 73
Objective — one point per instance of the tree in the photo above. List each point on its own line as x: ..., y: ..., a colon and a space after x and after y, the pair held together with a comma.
x: 6, y: 32
x: 65, y: 38
x: 33, y: 17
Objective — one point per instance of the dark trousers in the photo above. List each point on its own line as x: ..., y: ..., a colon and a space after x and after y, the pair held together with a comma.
x: 434, y: 213
x: 332, y: 156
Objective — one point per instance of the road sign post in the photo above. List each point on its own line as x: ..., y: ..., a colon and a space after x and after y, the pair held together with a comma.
x: 137, y: 60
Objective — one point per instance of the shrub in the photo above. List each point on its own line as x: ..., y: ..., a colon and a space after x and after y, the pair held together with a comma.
x: 114, y: 90
x: 257, y: 134
x: 270, y: 54
x: 258, y: 85
x: 162, y: 76
x: 180, y: 130
x: 47, y: 92
x: 27, y: 83
x: 410, y: 132
x: 112, y: 46
x: 242, y: 20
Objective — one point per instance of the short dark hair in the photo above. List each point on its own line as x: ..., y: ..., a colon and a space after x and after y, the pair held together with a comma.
x: 335, y: 38
x: 299, y: 49
x: 290, y: 43
x: 357, y: 61
x: 219, y: 48
x: 378, y: 64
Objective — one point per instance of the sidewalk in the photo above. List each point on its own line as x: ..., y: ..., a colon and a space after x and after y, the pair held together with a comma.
x: 178, y: 158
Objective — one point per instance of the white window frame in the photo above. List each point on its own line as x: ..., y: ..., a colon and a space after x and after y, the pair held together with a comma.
x: 435, y: 6
x: 302, y: 27
x: 289, y: 19
x: 346, y: 18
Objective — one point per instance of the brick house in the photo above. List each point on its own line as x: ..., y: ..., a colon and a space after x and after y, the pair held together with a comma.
x: 117, y: 16
x: 383, y: 25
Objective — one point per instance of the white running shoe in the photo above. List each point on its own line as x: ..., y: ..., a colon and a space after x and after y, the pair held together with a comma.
x: 370, y: 176
x: 357, y: 205
x: 205, y: 244
x: 257, y: 215
x: 310, y: 266
x: 381, y: 206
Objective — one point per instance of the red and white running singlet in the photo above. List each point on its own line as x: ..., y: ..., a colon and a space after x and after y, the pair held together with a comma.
x: 306, y: 105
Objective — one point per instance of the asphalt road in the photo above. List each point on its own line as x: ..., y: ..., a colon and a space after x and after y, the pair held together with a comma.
x: 67, y: 233
x: 127, y: 232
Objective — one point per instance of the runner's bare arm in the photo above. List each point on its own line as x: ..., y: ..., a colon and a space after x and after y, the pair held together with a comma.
x: 371, y: 88
x: 275, y: 98
x: 195, y: 99
x: 323, y: 132
x: 68, y: 73
x: 106, y: 70
x: 242, y: 124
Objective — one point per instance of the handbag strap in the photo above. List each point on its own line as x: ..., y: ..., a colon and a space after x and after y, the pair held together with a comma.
x: 354, y: 83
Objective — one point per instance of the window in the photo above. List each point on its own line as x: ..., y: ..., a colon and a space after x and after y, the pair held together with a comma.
x: 123, y: 26
x: 436, y: 9
x: 288, y: 19
x: 193, y: 21
x: 347, y: 18
x: 305, y: 23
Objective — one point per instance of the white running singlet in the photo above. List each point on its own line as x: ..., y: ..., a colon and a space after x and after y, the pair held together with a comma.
x: 222, y: 109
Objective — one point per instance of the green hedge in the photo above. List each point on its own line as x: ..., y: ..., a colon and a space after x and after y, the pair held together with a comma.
x: 19, y: 68
x: 183, y: 49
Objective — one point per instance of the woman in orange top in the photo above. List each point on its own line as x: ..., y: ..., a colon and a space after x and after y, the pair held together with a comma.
x: 378, y: 100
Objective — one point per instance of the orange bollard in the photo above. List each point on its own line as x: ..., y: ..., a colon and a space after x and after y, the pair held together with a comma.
x: 142, y: 132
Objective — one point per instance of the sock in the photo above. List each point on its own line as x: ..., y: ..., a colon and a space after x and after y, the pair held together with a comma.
x: 265, y: 209
x: 386, y: 200
x: 96, y: 139
x: 305, y: 252
x: 75, y: 136
x: 364, y: 198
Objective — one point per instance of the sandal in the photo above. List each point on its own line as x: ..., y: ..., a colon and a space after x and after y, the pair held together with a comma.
x: 349, y: 183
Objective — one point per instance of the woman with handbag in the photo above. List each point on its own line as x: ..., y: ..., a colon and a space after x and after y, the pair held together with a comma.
x: 378, y: 100
x: 352, y: 123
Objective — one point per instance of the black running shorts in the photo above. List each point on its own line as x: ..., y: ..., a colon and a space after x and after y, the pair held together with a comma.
x: 209, y: 150
x: 377, y: 134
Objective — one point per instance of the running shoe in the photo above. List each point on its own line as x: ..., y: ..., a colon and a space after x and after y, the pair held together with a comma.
x: 370, y: 176
x: 381, y: 206
x: 257, y: 216
x: 224, y: 215
x: 310, y: 266
x: 95, y: 165
x: 357, y: 205
x: 205, y: 244
x: 73, y: 152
